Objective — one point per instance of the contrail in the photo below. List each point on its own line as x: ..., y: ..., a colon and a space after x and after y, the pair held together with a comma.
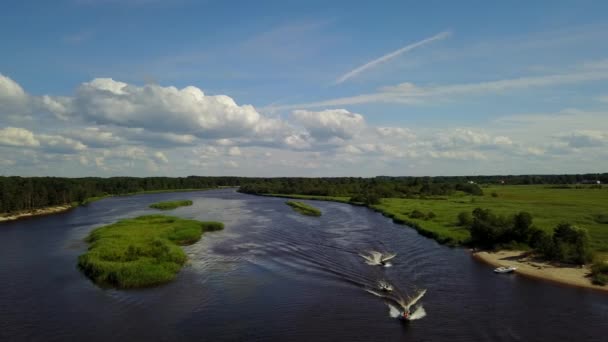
x: 391, y: 55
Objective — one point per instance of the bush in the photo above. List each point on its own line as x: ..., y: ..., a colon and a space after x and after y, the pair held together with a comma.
x: 494, y: 194
x: 599, y: 279
x: 568, y: 244
x: 431, y: 215
x: 465, y: 218
x: 417, y: 214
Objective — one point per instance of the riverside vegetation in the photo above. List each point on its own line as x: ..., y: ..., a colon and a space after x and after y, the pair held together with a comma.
x: 142, y: 251
x: 303, y: 208
x: 561, y: 223
x: 168, y: 205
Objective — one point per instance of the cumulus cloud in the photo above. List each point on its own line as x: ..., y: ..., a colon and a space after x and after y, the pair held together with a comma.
x: 12, y: 96
x: 12, y: 136
x: 395, y: 132
x: 330, y: 123
x: 95, y: 137
x: 460, y: 137
x: 156, y: 108
x: 60, y: 144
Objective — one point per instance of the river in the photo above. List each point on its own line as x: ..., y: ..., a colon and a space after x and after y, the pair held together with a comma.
x: 273, y: 274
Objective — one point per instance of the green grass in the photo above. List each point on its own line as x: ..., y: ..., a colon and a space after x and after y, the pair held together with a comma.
x: 548, y: 206
x: 142, y: 251
x: 168, y: 205
x: 304, y: 208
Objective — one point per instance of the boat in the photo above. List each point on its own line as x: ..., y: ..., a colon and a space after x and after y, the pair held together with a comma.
x: 385, y: 286
x: 505, y: 269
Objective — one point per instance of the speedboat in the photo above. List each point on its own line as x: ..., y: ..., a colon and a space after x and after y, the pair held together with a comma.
x: 505, y: 269
x: 385, y: 286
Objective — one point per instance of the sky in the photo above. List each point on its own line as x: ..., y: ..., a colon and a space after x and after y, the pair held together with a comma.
x: 303, y: 88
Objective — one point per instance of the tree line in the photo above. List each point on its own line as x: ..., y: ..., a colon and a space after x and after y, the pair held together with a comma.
x: 28, y: 193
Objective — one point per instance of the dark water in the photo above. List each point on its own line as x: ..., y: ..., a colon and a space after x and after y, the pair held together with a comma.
x: 275, y: 275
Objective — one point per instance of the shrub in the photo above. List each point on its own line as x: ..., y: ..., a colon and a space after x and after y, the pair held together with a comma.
x: 465, y: 218
x: 494, y: 194
x: 599, y: 279
x: 431, y: 215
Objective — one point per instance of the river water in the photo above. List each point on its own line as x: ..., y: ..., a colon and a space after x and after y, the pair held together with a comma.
x: 273, y: 274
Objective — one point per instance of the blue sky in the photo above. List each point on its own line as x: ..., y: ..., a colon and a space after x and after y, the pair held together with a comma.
x: 308, y: 88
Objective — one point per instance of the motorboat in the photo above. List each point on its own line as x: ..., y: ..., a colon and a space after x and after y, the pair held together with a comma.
x: 385, y: 286
x: 505, y: 269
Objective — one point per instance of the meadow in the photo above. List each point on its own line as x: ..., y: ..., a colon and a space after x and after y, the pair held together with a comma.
x: 585, y: 207
x: 140, y: 252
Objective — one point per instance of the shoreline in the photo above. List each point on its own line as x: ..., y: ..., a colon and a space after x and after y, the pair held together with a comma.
x: 61, y: 208
x: 36, y: 212
x: 531, y: 268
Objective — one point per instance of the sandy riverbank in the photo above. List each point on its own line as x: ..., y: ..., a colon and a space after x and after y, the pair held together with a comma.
x: 527, y: 266
x: 35, y: 212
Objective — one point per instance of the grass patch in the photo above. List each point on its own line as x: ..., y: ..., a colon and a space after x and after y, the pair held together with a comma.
x: 304, y: 208
x: 168, y: 205
x: 142, y: 251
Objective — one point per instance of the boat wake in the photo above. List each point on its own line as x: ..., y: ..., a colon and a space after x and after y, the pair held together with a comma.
x: 375, y: 258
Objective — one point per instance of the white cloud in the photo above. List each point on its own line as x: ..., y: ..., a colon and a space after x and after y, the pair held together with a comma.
x: 60, y: 144
x: 95, y: 137
x: 390, y: 56
x: 458, y: 155
x: 12, y: 136
x: 162, y: 109
x: 12, y: 96
x: 161, y: 157
x: 396, y: 132
x: 234, y: 151
x: 330, y: 123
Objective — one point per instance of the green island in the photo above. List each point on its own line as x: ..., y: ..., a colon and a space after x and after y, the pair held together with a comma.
x: 168, y: 205
x: 304, y: 208
x: 140, y: 252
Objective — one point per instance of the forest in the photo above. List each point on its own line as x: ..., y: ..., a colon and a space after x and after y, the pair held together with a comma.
x: 28, y: 193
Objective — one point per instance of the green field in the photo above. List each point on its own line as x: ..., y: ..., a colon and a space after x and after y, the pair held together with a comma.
x: 304, y: 208
x: 168, y: 205
x: 142, y: 251
x: 548, y: 205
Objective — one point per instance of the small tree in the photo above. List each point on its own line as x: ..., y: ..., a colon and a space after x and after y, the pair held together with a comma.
x: 465, y: 218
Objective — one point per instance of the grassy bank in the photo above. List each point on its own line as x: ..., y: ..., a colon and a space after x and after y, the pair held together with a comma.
x: 304, y: 208
x: 168, y: 205
x: 549, y: 206
x: 142, y: 251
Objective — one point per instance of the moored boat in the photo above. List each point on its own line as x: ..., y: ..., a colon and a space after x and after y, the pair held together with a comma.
x: 505, y: 269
